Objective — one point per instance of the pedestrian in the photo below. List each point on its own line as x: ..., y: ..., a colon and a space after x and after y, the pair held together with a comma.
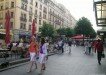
x: 33, y: 50
x: 70, y: 44
x: 47, y: 46
x: 42, y: 54
x: 89, y: 47
x: 99, y: 50
x: 86, y: 47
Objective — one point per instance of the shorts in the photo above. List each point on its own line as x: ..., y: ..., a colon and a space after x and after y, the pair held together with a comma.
x: 32, y: 56
x: 42, y: 58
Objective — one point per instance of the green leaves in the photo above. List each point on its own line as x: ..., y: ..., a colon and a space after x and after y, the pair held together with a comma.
x: 65, y: 31
x: 84, y: 27
x: 47, y: 30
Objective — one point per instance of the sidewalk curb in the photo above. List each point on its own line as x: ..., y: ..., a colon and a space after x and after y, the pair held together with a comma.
x: 20, y: 62
x: 12, y: 66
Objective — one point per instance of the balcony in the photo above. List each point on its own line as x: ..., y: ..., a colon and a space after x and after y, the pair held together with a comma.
x: 23, y: 19
x: 26, y: 1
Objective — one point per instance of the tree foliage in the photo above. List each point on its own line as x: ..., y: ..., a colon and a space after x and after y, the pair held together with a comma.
x: 69, y: 32
x: 84, y: 27
x: 65, y: 31
x: 61, y: 31
x: 47, y: 30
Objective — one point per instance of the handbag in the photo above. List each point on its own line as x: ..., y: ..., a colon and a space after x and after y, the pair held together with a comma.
x: 103, y: 55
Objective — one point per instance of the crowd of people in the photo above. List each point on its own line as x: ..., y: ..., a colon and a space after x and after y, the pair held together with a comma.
x: 38, y: 51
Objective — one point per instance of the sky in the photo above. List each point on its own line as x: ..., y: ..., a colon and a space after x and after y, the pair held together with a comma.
x: 80, y: 8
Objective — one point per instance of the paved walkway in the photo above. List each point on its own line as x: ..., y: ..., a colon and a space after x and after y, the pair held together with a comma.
x: 76, y: 63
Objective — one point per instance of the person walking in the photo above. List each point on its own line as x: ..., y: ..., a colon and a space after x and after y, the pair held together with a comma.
x: 42, y: 54
x: 99, y: 50
x: 86, y: 47
x: 47, y: 46
x: 89, y: 47
x: 33, y: 50
x: 60, y: 44
x: 70, y: 44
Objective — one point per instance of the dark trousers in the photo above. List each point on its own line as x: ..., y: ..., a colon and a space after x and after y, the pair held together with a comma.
x: 99, y: 54
x: 62, y: 50
x: 89, y: 50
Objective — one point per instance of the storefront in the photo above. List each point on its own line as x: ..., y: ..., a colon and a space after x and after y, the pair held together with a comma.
x: 3, y: 33
x: 21, y: 34
x: 100, y: 14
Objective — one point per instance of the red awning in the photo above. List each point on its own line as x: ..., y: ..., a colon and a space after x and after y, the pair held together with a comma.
x: 78, y: 37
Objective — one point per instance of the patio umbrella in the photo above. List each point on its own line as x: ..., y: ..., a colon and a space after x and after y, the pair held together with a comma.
x: 33, y: 28
x: 7, y: 27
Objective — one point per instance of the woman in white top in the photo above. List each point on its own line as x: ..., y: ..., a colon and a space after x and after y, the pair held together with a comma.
x: 42, y: 54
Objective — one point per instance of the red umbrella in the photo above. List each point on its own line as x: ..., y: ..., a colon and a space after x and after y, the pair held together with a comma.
x: 33, y: 28
x: 7, y: 27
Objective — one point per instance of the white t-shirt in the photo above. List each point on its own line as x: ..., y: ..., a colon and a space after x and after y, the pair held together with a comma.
x: 47, y: 45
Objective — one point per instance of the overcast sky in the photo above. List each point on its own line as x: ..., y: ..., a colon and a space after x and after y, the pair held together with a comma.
x: 80, y: 8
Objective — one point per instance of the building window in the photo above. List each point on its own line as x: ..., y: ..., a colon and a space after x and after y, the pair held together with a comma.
x: 44, y: 16
x: 12, y: 4
x: 30, y: 11
x: 45, y: 10
x: 1, y: 6
x: 40, y: 7
x: 36, y: 4
x: 23, y: 17
x: 11, y: 25
x: 39, y: 22
x: 40, y: 0
x: 12, y: 14
x: 1, y: 26
x: 1, y: 15
x: 7, y: 5
x: 31, y: 2
x: 45, y: 2
x: 30, y: 18
x: 25, y: 7
x: 36, y: 20
x: 40, y: 14
x: 29, y: 27
x: 35, y: 12
x: 22, y: 26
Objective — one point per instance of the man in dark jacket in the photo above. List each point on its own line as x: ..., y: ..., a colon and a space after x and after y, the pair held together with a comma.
x: 99, y: 49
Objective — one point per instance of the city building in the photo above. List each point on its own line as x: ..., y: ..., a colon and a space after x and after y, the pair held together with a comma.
x: 100, y: 14
x: 22, y: 13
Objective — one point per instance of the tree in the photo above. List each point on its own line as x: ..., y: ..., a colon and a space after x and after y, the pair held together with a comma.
x: 69, y: 32
x: 65, y: 31
x: 47, y: 30
x: 84, y: 27
x: 61, y: 31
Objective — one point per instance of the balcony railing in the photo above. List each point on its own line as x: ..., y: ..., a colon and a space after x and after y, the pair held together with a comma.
x: 26, y: 1
x: 23, y: 19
